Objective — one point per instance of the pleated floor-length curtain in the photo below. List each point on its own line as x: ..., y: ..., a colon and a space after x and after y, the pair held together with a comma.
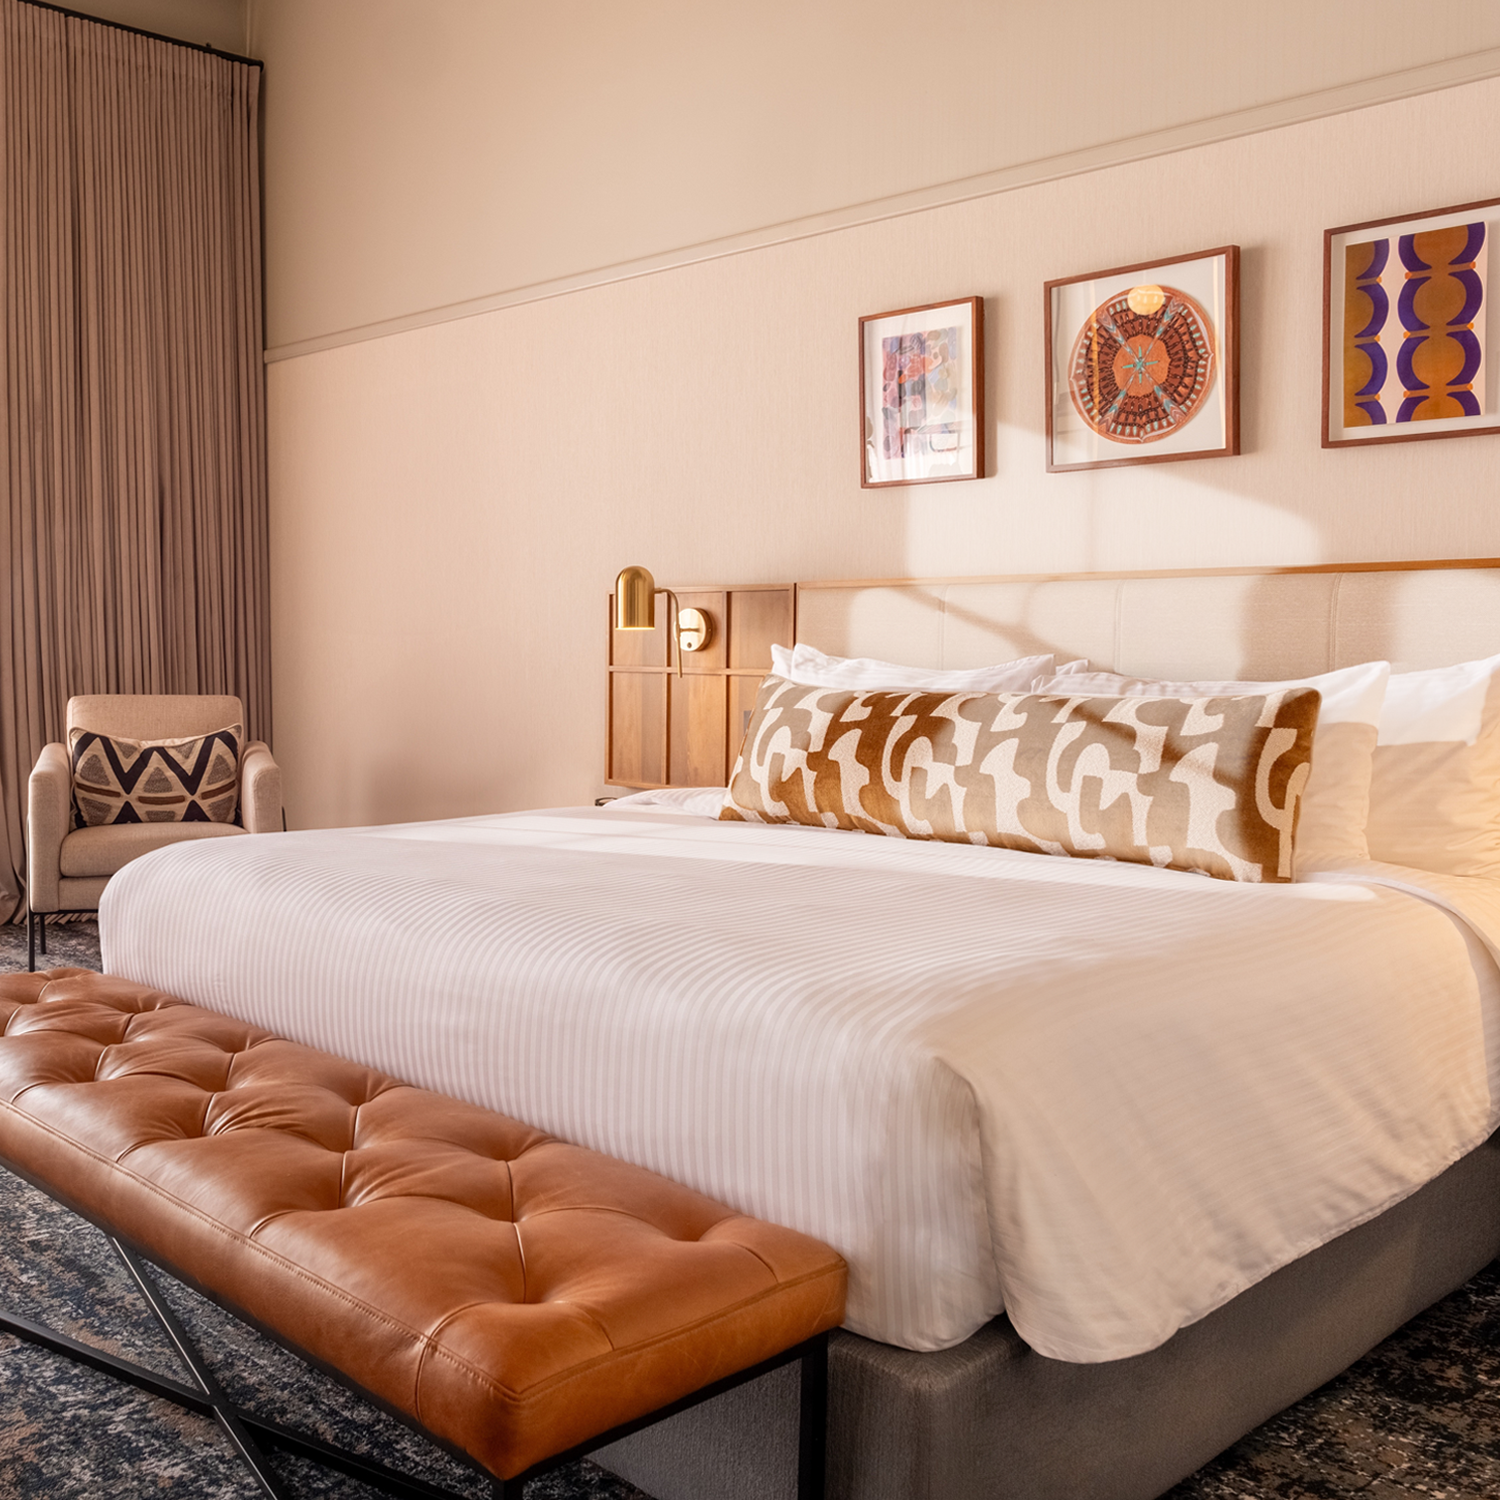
x: 133, y: 519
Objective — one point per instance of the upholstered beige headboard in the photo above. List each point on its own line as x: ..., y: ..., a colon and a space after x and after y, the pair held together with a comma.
x: 1250, y: 625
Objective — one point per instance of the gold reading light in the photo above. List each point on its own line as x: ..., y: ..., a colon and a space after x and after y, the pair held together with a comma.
x: 635, y: 609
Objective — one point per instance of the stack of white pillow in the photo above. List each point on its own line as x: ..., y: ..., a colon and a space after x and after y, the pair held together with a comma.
x: 1406, y: 767
x: 809, y: 667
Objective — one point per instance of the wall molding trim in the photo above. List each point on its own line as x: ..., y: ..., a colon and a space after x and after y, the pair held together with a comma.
x: 1428, y: 78
x: 1249, y: 570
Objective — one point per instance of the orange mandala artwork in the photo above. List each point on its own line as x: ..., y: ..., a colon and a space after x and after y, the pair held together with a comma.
x: 1142, y: 365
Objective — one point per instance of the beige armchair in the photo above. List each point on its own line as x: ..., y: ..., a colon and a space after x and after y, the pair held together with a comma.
x: 68, y: 868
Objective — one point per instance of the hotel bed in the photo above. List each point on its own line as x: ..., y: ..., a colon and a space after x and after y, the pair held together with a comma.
x: 1122, y: 1159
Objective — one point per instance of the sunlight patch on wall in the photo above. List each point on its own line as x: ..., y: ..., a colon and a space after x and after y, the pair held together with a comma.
x: 1183, y: 515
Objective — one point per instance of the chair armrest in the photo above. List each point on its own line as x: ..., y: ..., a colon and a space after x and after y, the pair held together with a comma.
x: 49, y: 820
x: 260, y: 789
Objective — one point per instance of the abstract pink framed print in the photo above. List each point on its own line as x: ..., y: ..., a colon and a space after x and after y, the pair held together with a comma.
x: 921, y: 394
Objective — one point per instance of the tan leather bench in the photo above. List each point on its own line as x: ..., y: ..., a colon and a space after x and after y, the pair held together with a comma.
x: 519, y: 1299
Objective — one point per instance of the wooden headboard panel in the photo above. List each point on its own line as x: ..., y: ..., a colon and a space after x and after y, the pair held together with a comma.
x: 1249, y: 623
x: 666, y: 730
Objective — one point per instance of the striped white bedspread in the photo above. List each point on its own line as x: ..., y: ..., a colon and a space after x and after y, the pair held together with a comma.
x: 1106, y: 1098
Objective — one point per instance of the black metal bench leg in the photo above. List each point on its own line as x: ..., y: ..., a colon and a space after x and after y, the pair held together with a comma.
x: 509, y: 1489
x: 374, y: 1474
x: 224, y: 1411
x: 812, y: 1427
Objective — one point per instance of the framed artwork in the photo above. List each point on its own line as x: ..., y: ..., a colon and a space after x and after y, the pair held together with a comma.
x: 1143, y: 363
x: 921, y: 394
x: 1408, y: 326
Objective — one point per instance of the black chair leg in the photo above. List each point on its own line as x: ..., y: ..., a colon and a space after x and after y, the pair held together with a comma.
x: 41, y: 932
x: 30, y: 941
x: 812, y: 1430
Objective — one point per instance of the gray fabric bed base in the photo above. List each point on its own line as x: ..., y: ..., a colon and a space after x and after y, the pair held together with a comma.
x: 990, y: 1420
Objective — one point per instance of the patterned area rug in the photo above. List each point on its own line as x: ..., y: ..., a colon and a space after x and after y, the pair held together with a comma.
x: 1418, y: 1416
x: 69, y: 944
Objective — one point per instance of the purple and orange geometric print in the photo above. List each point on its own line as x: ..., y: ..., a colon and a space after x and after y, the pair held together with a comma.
x: 1366, y: 309
x: 1413, y: 339
x: 1442, y: 354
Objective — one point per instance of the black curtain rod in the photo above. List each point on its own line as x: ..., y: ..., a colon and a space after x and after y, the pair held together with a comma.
x: 155, y: 36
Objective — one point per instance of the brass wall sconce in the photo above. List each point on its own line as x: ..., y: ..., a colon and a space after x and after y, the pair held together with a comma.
x: 694, y: 629
x: 635, y: 609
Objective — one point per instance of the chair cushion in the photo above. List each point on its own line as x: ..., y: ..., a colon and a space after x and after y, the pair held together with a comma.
x: 102, y: 851
x: 516, y: 1295
x: 192, y: 780
x: 153, y: 716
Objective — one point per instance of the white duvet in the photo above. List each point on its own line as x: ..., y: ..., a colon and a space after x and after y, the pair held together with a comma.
x: 1103, y: 1097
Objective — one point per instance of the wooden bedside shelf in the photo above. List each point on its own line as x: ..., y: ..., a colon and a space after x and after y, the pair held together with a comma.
x: 670, y: 731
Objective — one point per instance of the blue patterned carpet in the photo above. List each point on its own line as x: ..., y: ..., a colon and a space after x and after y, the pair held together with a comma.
x: 1418, y: 1416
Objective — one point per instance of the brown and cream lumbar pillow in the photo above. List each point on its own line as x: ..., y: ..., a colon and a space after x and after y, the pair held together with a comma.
x: 1336, y: 804
x: 193, y: 780
x: 1210, y: 784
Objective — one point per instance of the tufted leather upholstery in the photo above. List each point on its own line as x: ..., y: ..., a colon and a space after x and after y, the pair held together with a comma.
x: 514, y: 1294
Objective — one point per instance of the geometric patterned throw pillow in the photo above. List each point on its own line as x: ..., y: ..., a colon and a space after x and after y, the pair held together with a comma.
x: 1211, y: 784
x: 193, y: 780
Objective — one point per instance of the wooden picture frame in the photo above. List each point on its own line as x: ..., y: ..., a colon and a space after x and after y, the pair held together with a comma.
x: 1391, y: 373
x: 921, y: 394
x: 1179, y: 323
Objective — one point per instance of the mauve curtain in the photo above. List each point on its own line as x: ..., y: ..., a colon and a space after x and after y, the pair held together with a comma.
x: 132, y: 397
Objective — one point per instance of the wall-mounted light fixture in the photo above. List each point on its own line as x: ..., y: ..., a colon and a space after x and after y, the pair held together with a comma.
x: 635, y: 609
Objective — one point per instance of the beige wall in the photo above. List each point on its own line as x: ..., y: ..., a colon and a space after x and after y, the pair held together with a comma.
x: 450, y: 504
x: 220, y: 23
x: 422, y: 153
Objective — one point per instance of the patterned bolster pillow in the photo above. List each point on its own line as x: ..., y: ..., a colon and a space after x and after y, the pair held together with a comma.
x: 1207, y: 784
x: 193, y: 780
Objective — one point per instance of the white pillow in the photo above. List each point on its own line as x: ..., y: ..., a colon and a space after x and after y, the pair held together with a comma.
x: 1336, y: 804
x: 809, y: 667
x: 700, y: 801
x: 1435, y: 794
